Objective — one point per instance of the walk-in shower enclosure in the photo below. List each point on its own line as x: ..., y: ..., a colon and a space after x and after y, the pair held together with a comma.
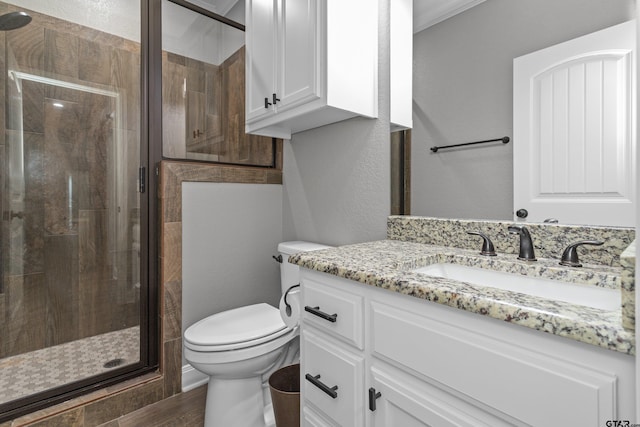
x: 79, y: 244
x: 69, y: 160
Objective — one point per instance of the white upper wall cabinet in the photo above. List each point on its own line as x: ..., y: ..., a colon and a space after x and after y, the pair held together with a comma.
x: 309, y: 63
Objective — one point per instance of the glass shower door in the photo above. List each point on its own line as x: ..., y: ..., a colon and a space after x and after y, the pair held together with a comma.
x: 69, y: 159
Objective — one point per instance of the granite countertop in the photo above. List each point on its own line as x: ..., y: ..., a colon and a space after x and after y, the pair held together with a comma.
x: 387, y: 263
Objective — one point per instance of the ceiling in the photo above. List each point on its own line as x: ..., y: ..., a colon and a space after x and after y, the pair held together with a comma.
x: 425, y: 12
x: 429, y: 12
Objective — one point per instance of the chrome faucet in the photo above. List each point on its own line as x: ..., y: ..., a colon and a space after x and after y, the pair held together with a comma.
x: 526, y: 244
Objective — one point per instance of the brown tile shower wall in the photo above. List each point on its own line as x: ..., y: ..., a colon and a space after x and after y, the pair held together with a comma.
x: 60, y: 275
x: 209, y: 117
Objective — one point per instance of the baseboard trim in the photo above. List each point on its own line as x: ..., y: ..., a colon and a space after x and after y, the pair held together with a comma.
x: 192, y: 378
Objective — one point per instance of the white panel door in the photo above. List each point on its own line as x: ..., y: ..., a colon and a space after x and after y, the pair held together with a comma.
x: 574, y: 130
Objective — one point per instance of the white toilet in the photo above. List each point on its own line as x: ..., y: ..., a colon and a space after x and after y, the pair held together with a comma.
x: 240, y: 348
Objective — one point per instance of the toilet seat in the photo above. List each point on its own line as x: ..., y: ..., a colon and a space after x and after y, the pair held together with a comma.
x: 235, y: 329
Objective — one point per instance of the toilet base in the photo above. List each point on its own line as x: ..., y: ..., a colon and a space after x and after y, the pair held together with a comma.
x: 269, y: 416
x: 224, y: 409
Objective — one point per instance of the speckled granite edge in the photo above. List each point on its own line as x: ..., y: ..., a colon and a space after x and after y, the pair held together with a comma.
x: 385, y: 264
x: 549, y: 239
x: 628, y: 287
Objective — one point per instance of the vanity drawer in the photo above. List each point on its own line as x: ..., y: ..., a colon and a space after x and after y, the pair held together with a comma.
x: 333, y: 310
x: 332, y: 379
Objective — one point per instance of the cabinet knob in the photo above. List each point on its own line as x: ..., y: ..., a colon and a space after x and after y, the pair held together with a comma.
x: 275, y: 99
x: 266, y: 103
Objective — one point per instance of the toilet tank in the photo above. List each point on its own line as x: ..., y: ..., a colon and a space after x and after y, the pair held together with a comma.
x: 290, y: 273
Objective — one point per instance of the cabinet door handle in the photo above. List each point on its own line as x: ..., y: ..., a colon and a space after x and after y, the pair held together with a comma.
x: 266, y: 103
x: 331, y: 391
x: 275, y: 99
x: 372, y: 398
x: 316, y: 311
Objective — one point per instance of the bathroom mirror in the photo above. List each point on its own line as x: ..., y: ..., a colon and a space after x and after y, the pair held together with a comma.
x: 203, y: 91
x: 463, y: 92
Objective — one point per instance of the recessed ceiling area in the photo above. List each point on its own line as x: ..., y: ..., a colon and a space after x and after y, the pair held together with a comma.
x: 425, y: 12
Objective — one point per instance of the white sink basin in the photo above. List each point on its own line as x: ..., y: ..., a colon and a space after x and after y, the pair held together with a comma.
x: 591, y: 296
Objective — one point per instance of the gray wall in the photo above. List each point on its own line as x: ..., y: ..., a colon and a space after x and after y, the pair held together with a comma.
x: 463, y: 92
x: 229, y: 233
x: 337, y: 177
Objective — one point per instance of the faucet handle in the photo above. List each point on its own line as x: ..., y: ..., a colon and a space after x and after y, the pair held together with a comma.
x: 487, y: 244
x: 570, y: 254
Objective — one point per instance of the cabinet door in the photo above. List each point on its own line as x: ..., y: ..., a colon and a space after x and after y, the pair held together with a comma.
x: 408, y: 402
x: 298, y: 52
x: 488, y: 370
x: 261, y: 56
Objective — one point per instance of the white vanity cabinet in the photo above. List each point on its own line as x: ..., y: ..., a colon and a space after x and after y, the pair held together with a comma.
x: 309, y: 63
x: 401, y: 361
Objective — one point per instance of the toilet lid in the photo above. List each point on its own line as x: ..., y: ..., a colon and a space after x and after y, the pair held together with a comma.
x: 239, y: 325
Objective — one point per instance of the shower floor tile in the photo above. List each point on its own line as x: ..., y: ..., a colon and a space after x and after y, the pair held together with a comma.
x: 40, y: 370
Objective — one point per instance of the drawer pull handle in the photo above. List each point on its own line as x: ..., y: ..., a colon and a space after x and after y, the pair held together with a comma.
x: 316, y: 311
x: 373, y: 396
x: 331, y: 391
